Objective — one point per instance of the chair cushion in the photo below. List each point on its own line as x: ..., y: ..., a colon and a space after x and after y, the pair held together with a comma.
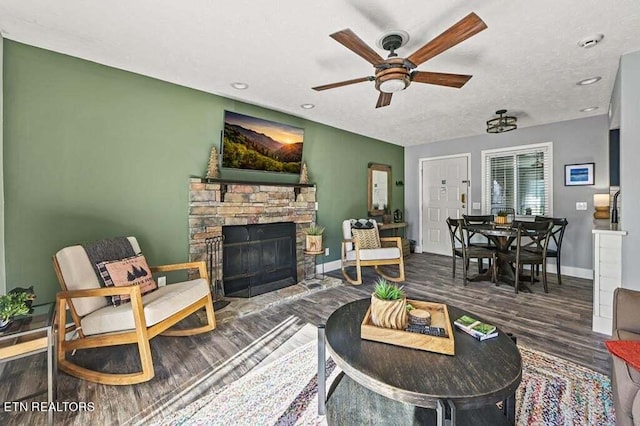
x: 130, y: 271
x: 78, y: 274
x: 376, y: 254
x: 367, y: 238
x: 158, y: 305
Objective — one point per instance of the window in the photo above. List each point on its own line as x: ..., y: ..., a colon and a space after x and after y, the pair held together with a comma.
x: 518, y: 179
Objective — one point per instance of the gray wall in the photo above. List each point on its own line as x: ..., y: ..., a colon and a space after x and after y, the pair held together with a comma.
x: 629, y: 166
x: 575, y: 141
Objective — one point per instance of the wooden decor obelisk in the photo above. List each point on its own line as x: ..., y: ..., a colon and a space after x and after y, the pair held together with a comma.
x: 213, y: 172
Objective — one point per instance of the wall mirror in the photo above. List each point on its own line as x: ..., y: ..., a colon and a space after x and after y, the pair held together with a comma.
x: 378, y: 189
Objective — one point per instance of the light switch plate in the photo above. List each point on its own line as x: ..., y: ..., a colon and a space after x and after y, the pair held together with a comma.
x: 581, y: 205
x: 162, y: 281
x: 475, y: 206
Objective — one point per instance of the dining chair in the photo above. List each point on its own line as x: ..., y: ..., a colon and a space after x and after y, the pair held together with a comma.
x: 476, y: 221
x: 461, y: 249
x: 530, y: 234
x: 557, y: 233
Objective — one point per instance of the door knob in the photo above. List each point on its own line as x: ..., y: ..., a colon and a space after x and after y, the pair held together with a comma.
x: 463, y: 198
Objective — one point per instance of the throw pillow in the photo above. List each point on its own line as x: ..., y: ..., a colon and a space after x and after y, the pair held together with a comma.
x: 368, y: 238
x: 363, y: 223
x: 627, y: 350
x: 130, y: 271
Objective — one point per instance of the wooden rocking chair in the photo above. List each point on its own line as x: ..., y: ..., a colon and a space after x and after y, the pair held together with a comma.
x: 360, y: 250
x: 99, y: 324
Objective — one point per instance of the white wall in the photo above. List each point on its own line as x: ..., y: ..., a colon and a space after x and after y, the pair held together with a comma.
x: 630, y: 167
x: 575, y: 141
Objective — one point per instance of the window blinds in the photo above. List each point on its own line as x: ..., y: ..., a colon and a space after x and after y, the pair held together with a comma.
x: 518, y: 178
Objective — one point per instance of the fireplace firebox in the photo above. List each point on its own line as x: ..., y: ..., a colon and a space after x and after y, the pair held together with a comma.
x: 258, y: 258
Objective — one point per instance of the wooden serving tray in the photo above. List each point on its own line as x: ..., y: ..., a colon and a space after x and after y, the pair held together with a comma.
x: 439, y: 318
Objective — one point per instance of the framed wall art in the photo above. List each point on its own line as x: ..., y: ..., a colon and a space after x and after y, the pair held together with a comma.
x: 579, y: 174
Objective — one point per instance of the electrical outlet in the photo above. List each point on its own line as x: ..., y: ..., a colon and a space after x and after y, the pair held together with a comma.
x: 581, y: 205
x: 475, y: 206
x: 162, y: 281
x: 326, y: 251
x: 316, y: 206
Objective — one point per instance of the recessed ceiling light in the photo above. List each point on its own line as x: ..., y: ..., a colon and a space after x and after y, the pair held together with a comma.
x: 589, y: 109
x: 239, y: 86
x: 307, y: 106
x: 588, y: 81
x: 590, y: 41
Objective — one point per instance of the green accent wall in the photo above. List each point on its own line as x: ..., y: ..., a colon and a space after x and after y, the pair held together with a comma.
x: 93, y: 152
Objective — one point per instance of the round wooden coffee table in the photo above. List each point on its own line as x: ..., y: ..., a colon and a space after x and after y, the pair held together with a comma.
x: 387, y: 384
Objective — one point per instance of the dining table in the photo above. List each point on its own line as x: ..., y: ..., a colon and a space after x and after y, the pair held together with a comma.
x: 502, y: 236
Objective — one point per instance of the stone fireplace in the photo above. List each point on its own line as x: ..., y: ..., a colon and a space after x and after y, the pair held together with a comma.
x: 219, y: 204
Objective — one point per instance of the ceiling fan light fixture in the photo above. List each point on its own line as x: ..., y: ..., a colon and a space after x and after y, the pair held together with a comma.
x: 502, y: 124
x: 393, y: 85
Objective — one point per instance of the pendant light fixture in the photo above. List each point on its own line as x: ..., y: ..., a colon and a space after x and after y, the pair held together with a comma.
x: 501, y: 124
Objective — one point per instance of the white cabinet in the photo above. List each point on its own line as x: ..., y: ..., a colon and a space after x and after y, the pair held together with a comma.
x: 607, y: 276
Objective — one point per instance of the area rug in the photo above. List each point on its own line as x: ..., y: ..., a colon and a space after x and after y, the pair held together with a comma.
x: 553, y: 392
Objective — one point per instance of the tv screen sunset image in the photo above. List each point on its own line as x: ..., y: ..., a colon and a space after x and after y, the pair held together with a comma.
x: 257, y: 144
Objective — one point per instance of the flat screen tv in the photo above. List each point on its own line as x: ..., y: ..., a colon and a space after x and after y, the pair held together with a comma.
x: 251, y: 143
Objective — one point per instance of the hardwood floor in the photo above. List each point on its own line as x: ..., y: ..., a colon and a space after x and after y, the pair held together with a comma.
x: 558, y: 323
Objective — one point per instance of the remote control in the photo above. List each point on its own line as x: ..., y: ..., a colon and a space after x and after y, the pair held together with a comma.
x: 428, y: 330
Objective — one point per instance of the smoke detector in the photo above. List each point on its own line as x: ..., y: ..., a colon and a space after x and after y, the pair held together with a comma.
x: 591, y: 41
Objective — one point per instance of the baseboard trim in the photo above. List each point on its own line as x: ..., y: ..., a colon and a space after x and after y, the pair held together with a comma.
x: 602, y: 325
x: 329, y: 266
x: 572, y: 271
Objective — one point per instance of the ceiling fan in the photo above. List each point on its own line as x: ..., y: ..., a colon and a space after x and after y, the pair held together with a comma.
x: 394, y: 73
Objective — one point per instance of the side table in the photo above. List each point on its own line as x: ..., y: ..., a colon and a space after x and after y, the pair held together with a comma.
x: 315, y: 255
x: 29, y: 335
x: 395, y: 227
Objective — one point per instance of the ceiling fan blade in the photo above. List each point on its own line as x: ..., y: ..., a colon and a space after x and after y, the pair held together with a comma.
x: 466, y: 27
x: 384, y: 99
x: 343, y: 83
x: 440, y: 79
x: 352, y: 42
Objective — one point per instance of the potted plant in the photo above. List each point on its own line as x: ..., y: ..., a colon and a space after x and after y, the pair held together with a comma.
x: 388, y: 305
x: 501, y: 219
x: 11, y: 305
x: 313, y: 242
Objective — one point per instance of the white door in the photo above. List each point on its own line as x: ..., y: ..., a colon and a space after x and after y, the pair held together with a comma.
x: 445, y: 183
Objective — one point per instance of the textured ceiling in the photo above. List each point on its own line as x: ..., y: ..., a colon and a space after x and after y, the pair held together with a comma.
x: 527, y: 61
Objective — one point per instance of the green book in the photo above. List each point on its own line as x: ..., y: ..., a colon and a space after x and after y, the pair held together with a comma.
x: 476, y: 328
